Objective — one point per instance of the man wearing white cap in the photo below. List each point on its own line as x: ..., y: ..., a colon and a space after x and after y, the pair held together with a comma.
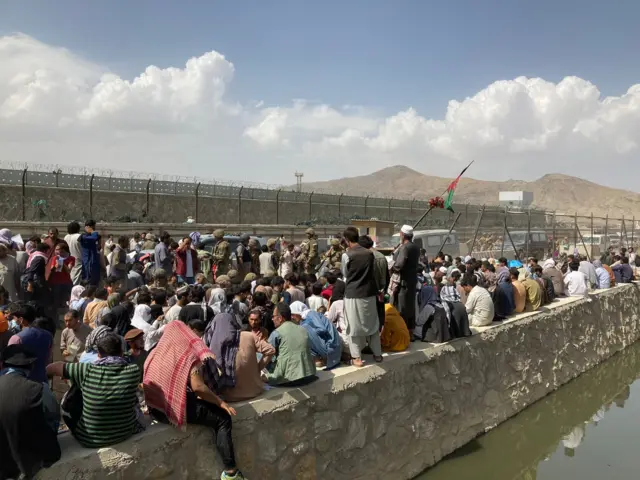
x: 406, y: 259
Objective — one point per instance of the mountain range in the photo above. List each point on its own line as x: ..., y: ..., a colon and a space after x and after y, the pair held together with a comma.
x: 552, y: 192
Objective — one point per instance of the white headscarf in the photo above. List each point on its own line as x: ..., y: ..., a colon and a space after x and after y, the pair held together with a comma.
x: 548, y: 263
x: 299, y: 308
x: 218, y: 301
x: 142, y: 313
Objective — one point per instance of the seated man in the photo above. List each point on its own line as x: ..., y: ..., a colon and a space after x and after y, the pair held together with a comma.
x: 326, y: 347
x: 394, y: 336
x: 108, y: 414
x: 479, y: 303
x: 73, y: 336
x: 534, y: 294
x: 293, y: 363
x: 28, y: 417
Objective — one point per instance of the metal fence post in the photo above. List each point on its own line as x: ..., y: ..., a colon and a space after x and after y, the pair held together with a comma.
x: 528, y: 232
x: 24, y: 194
x: 591, y: 235
x: 633, y: 229
x: 575, y: 231
x: 622, y: 232
x: 553, y: 234
x: 278, y: 206
x: 606, y: 231
x: 148, y: 198
x: 240, y: 205
x: 310, y: 197
x: 504, y: 231
x: 340, y: 204
x: 366, y: 200
x: 475, y: 233
x: 411, y: 206
x: 197, y: 201
x: 91, y: 195
x: 390, y: 200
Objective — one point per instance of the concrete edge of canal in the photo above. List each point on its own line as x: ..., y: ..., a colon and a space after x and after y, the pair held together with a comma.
x: 391, y: 420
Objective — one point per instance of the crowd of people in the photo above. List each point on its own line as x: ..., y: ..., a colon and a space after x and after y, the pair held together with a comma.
x: 162, y: 328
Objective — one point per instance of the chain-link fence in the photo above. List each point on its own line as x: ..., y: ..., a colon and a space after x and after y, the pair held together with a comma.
x: 521, y: 234
x: 52, y: 193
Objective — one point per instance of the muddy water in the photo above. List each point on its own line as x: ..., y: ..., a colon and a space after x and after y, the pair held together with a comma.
x: 588, y: 429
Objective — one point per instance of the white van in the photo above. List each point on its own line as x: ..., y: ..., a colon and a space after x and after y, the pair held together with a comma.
x: 431, y: 241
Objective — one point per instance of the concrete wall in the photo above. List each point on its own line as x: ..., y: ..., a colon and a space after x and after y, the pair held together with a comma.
x: 390, y: 420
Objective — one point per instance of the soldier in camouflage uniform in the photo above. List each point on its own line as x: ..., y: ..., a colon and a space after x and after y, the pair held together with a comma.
x: 254, y: 249
x: 308, y: 259
x: 221, y: 254
x: 334, y: 254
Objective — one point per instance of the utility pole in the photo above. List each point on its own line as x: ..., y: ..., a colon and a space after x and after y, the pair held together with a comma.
x: 299, y: 176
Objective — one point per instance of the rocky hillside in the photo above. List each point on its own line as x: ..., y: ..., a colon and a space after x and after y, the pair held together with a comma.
x: 561, y: 193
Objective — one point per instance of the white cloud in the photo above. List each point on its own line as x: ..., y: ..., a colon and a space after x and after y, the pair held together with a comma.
x: 56, y: 107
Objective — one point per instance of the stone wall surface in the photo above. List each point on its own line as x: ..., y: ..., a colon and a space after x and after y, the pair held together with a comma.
x: 390, y: 420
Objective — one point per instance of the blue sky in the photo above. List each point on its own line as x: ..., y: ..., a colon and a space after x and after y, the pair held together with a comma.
x: 404, y: 61
x: 383, y: 54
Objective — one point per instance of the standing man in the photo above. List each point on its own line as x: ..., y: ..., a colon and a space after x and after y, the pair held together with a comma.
x: 380, y: 274
x: 91, y: 264
x: 187, y: 264
x: 308, y: 259
x: 360, y: 312
x: 221, y: 253
x: 164, y: 258
x: 243, y: 255
x: 334, y: 255
x: 406, y: 264
x: 73, y: 240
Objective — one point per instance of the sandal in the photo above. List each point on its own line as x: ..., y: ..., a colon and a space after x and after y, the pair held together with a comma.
x: 378, y: 358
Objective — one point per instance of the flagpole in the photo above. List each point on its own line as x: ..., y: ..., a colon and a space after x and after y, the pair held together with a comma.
x: 415, y: 225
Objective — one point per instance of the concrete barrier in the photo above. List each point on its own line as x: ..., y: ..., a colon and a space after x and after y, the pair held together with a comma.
x: 389, y: 420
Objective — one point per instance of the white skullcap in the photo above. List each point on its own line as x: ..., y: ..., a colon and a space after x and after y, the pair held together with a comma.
x: 443, y: 269
x: 407, y: 229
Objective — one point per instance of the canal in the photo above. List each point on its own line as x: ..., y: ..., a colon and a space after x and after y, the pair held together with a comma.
x: 588, y: 429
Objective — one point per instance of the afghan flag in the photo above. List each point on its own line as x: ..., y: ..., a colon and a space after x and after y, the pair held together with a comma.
x: 451, y: 189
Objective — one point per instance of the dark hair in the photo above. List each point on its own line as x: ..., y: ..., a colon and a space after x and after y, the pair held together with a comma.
x: 156, y: 311
x: 73, y: 314
x: 197, y: 293
x: 277, y: 281
x: 351, y: 234
x: 365, y: 241
x: 144, y: 298
x: 174, y: 245
x: 182, y: 294
x: 284, y: 311
x: 486, y: 264
x: 123, y: 241
x: 63, y: 246
x: 255, y: 311
x: 456, y: 275
x: 159, y: 296
x: 331, y: 277
x: 469, y: 281
x: 316, y: 288
x: 45, y: 323
x: 73, y: 227
x: 537, y: 269
x: 463, y: 268
x: 574, y: 266
x: 197, y: 324
x: 514, y: 272
x: 264, y: 249
x: 90, y: 223
x: 138, y: 267
x: 102, y: 294
x: 260, y: 299
x: 292, y: 278
x: 90, y: 291
x: 42, y: 247
x: 244, y: 287
x: 110, y: 345
x: 503, y: 260
x: 624, y: 260
x: 165, y: 236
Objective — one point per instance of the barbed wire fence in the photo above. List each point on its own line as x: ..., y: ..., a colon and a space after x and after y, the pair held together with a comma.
x: 46, y: 192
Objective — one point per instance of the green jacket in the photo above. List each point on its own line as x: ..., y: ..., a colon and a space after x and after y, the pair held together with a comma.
x: 293, y: 354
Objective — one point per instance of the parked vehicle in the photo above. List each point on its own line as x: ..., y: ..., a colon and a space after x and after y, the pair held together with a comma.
x: 430, y: 240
